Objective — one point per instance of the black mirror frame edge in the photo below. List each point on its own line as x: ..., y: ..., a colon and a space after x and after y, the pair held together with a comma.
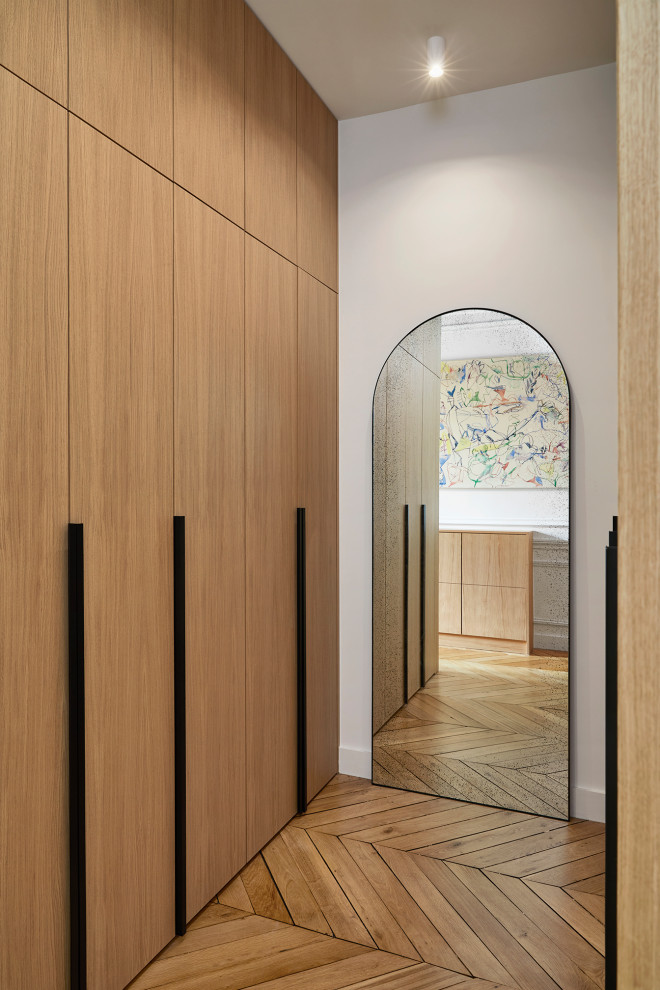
x: 501, y: 312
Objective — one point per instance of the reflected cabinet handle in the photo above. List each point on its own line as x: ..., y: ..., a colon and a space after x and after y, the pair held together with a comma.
x: 301, y: 614
x: 179, y: 535
x: 422, y: 594
x: 77, y: 855
x: 406, y: 580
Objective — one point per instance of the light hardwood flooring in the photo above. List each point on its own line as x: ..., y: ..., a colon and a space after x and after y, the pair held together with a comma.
x: 488, y: 727
x: 379, y: 889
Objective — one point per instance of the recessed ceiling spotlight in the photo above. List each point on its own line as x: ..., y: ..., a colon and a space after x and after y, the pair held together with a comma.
x: 435, y: 48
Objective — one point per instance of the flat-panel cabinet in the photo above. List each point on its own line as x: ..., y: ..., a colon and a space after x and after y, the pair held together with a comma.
x: 271, y: 482
x: 430, y: 493
x: 414, y: 406
x: 209, y: 90
x: 33, y: 44
x: 120, y: 73
x: 318, y: 486
x: 486, y: 590
x: 34, y: 918
x: 209, y: 491
x: 168, y: 332
x: 270, y: 140
x: 121, y: 415
x: 317, y: 187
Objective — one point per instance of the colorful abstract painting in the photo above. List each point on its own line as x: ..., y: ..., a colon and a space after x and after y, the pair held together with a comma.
x: 504, y: 423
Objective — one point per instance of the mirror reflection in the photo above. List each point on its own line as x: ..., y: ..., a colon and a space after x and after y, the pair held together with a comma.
x: 471, y: 565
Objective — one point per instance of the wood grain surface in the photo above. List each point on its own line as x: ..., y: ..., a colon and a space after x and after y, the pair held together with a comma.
x: 270, y: 140
x: 120, y: 73
x: 33, y: 44
x: 271, y: 479
x: 209, y: 101
x: 209, y: 490
x: 318, y: 486
x: 33, y: 519
x: 121, y: 415
x: 638, y: 882
x: 317, y: 186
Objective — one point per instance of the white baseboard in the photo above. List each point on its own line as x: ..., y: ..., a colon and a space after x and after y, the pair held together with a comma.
x: 355, y: 762
x: 586, y: 803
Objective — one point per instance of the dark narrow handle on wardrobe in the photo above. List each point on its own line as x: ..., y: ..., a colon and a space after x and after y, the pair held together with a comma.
x: 611, y: 788
x: 77, y: 857
x: 301, y: 611
x: 180, y: 724
x: 406, y: 583
x: 422, y: 595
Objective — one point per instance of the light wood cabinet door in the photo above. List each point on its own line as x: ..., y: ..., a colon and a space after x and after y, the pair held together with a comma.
x: 449, y: 608
x: 209, y: 90
x: 271, y: 479
x: 414, y: 405
x: 379, y: 568
x: 317, y: 186
x: 500, y: 559
x: 395, y: 559
x: 209, y: 490
x: 121, y: 417
x: 318, y: 472
x: 495, y: 612
x: 33, y: 43
x: 120, y: 73
x: 34, y: 914
x: 270, y: 140
x: 449, y: 557
x: 430, y: 498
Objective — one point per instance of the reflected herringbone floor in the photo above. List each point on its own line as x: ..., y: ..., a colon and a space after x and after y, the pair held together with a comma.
x: 378, y: 889
x: 488, y: 727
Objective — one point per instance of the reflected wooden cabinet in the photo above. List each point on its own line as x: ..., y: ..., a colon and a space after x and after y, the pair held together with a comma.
x: 485, y: 590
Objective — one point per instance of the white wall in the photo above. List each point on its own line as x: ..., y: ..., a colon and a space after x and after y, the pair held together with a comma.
x: 503, y: 199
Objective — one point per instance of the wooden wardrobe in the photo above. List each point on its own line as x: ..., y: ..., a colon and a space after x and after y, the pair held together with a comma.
x: 169, y: 336
x: 405, y: 565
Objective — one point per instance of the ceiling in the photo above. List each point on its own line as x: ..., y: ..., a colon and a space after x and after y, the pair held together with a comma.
x: 366, y: 56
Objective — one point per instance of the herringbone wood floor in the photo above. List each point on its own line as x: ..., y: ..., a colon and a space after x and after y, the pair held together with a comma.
x: 379, y: 889
x: 488, y: 727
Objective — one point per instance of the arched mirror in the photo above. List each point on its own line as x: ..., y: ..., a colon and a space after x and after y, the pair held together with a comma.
x: 471, y: 473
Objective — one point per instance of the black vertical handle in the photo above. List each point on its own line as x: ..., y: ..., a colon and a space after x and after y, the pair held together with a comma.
x: 77, y: 855
x: 180, y: 724
x: 301, y: 582
x: 406, y: 587
x: 611, y: 796
x: 422, y: 595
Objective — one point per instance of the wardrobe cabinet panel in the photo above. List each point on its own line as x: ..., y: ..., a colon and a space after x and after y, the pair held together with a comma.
x: 33, y: 43
x: 34, y: 916
x: 210, y: 493
x: 318, y: 469
x: 430, y: 497
x: 209, y: 93
x: 317, y: 186
x: 414, y: 499
x: 270, y: 140
x: 121, y: 398
x: 120, y: 73
x: 271, y: 499
x: 395, y: 491
x: 379, y: 568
